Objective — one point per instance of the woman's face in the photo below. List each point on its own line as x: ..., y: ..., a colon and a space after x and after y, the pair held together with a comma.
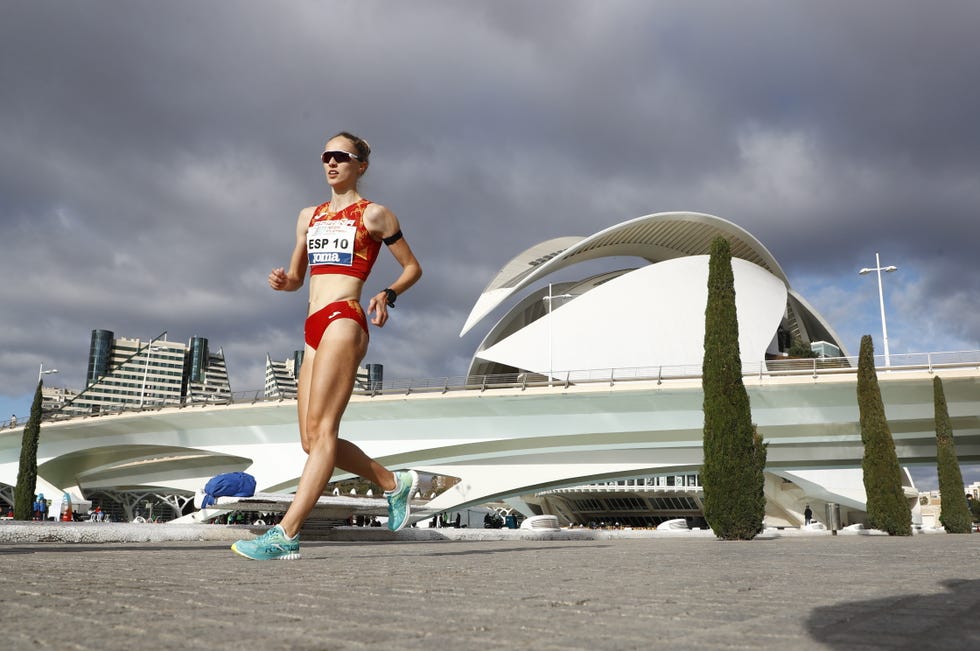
x: 342, y: 175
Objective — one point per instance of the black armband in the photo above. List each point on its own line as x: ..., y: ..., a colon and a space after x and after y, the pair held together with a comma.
x: 392, y: 239
x: 390, y: 296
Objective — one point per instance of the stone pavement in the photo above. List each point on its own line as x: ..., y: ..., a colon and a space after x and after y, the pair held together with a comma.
x: 375, y: 590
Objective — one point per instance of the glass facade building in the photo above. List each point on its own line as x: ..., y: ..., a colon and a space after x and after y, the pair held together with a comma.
x: 99, y: 355
x: 132, y: 374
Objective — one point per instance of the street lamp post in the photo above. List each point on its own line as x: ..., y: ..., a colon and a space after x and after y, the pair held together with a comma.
x: 881, y: 300
x: 41, y: 371
x: 551, y: 359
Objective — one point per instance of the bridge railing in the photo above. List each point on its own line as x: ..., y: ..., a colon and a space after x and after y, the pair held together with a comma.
x: 780, y: 367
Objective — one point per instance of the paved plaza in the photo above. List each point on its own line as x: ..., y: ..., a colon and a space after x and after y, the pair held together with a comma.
x: 375, y: 591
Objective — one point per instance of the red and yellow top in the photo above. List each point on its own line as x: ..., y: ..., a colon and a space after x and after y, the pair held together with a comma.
x: 339, y: 243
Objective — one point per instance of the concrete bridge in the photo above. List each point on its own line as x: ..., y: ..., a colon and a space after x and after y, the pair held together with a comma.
x: 516, y: 437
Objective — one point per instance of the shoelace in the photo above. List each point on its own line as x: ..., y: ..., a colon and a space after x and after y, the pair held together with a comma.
x: 270, y: 535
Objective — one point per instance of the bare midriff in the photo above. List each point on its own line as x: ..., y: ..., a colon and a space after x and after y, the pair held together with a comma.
x: 328, y: 288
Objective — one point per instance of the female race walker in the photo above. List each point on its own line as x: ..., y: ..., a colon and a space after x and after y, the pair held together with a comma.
x: 339, y: 242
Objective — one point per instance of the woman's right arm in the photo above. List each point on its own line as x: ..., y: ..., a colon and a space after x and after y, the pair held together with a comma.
x: 292, y: 279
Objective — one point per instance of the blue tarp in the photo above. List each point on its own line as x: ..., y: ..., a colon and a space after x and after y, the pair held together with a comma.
x: 229, y: 484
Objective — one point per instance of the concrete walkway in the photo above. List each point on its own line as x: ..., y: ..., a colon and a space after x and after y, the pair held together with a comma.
x: 369, y: 589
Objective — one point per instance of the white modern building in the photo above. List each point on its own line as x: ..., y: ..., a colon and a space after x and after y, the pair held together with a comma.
x: 649, y: 316
x: 588, y: 385
x: 646, y: 318
x: 281, y: 377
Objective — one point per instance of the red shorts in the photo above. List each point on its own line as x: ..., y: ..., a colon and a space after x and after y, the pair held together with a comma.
x: 316, y: 323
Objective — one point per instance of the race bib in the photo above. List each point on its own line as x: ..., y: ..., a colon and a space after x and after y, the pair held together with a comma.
x: 331, y: 242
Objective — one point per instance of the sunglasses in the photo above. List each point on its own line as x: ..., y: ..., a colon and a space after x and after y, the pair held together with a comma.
x: 339, y: 156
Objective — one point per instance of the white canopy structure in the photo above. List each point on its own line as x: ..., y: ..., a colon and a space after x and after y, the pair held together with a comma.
x: 647, y: 317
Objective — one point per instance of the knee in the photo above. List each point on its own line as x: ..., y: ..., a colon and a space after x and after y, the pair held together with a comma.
x: 319, y: 437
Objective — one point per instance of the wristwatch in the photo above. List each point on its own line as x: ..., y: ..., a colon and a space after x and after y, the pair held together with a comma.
x: 390, y: 296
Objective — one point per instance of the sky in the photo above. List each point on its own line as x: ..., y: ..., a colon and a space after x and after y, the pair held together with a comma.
x: 154, y: 157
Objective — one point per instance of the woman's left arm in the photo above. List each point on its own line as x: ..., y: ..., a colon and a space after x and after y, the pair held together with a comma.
x: 382, y: 222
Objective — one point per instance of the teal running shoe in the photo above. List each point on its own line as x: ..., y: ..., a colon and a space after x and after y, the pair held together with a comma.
x: 273, y: 545
x: 399, y: 507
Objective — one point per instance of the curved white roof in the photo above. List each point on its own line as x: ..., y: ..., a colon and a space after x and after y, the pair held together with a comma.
x: 601, y: 329
x: 655, y: 237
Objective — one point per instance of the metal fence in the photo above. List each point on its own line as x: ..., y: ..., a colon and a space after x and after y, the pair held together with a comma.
x: 774, y: 368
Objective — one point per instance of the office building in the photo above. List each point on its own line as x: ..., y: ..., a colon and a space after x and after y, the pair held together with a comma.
x: 128, y: 374
x: 281, y: 377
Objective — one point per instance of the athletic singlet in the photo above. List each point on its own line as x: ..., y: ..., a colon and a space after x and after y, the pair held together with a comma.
x: 338, y: 243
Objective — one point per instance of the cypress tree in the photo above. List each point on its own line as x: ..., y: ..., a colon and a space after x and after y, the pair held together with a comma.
x: 27, y: 469
x: 954, y: 513
x: 734, y: 453
x: 887, y: 508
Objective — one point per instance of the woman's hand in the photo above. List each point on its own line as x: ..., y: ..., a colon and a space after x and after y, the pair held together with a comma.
x: 278, y: 279
x: 379, y: 306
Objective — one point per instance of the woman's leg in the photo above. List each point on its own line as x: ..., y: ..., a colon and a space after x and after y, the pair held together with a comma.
x: 304, y: 378
x: 352, y: 459
x: 329, y: 380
